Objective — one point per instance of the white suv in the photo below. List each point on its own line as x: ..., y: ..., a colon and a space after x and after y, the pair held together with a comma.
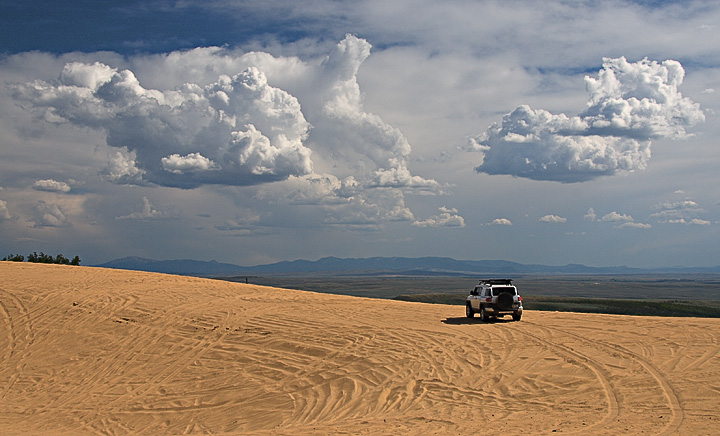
x: 491, y: 298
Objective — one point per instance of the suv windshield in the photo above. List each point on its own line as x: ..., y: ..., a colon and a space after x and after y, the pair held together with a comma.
x: 498, y: 290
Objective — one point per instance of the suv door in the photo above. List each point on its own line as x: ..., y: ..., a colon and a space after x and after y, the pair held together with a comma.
x: 475, y: 298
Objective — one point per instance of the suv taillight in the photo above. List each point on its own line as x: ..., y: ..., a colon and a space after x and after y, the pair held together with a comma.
x: 519, y: 298
x: 488, y: 299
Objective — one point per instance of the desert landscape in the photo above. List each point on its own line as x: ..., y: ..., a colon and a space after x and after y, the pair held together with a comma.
x: 94, y: 351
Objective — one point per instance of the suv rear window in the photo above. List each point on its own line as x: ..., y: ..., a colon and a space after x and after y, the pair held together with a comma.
x: 498, y: 290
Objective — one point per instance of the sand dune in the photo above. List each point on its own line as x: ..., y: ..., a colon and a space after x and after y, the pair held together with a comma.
x: 108, y: 352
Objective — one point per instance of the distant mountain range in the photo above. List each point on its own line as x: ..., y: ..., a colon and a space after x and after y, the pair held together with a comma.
x: 375, y: 266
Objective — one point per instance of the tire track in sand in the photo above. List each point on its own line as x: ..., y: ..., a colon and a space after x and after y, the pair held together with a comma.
x: 669, y: 392
x: 614, y: 406
x: 187, y: 349
x: 20, y: 334
x: 10, y: 328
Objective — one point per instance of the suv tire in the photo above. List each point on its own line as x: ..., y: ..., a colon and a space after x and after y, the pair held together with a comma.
x: 517, y: 316
x: 469, y: 312
x: 483, y: 315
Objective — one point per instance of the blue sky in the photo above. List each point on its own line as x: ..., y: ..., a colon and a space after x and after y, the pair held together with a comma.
x: 253, y: 132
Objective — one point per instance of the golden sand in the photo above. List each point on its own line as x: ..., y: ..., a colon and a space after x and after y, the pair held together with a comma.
x: 93, y: 351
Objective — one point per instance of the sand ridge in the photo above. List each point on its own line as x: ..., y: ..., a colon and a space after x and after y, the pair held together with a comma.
x: 107, y: 352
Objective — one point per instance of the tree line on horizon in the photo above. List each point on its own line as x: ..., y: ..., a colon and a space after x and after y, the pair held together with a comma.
x: 34, y: 257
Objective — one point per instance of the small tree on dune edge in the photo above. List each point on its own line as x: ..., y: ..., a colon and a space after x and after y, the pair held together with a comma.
x: 34, y: 257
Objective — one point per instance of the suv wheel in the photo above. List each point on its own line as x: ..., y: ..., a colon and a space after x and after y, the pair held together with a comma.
x: 469, y: 312
x: 483, y: 315
x: 516, y: 316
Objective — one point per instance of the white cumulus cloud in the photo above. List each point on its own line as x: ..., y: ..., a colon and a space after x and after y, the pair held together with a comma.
x: 398, y: 176
x: 217, y: 116
x: 623, y: 221
x: 121, y: 168
x: 614, y: 217
x: 250, y: 131
x: 347, y: 137
x: 630, y: 104
x: 51, y: 185
x: 4, y: 211
x: 149, y: 212
x: 48, y: 215
x: 501, y: 222
x: 192, y: 162
x: 448, y: 217
x: 553, y: 219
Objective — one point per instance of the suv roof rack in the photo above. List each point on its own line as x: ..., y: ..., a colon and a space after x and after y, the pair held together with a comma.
x: 496, y: 282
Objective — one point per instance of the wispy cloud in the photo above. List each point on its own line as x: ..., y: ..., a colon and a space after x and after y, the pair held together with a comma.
x: 693, y: 221
x: 634, y: 225
x: 680, y: 212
